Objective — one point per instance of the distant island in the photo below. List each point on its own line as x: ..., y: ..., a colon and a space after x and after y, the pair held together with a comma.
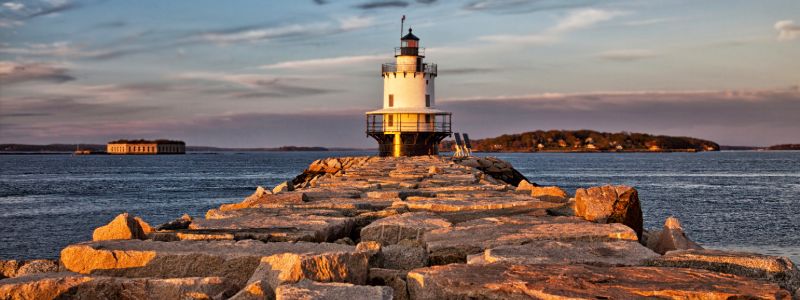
x: 70, y: 148
x: 781, y: 147
x: 785, y: 147
x: 587, y: 141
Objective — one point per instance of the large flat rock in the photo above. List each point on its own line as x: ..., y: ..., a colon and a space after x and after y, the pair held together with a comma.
x: 276, y: 270
x: 233, y: 260
x: 262, y: 197
x: 407, y: 226
x: 455, y: 243
x: 512, y: 281
x: 456, y: 204
x: 309, y: 290
x: 604, y: 253
x: 402, y: 194
x: 315, y: 225
x: 77, y: 286
x: 276, y: 210
x: 321, y: 193
x: 338, y: 204
x: 780, y: 270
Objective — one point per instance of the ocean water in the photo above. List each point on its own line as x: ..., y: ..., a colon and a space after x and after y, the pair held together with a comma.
x: 728, y: 200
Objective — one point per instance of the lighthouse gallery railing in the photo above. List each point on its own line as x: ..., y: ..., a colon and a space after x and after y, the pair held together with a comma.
x: 425, y: 68
x: 440, y: 122
x: 415, y: 51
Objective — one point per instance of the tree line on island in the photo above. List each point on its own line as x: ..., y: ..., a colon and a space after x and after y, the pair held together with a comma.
x: 586, y: 141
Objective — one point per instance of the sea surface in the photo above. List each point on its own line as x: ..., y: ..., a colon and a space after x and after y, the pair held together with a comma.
x: 728, y: 200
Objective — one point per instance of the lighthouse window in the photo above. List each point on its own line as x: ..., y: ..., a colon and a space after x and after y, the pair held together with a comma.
x: 427, y: 100
x: 391, y: 100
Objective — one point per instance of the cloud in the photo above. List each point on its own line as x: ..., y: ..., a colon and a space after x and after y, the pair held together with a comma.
x: 245, y: 80
x: 325, y: 62
x: 787, y: 30
x: 584, y: 18
x: 149, y: 41
x: 13, y: 14
x: 574, y: 20
x: 13, y: 72
x: 646, y: 22
x: 60, y: 48
x: 36, y: 8
x: 53, y: 8
x: 625, y: 55
x: 536, y: 39
x: 381, y: 4
x: 355, y: 22
x: 121, y: 92
x: 463, y: 71
x: 47, y: 108
x: 280, y: 90
x: 13, y: 6
x: 253, y: 34
x: 256, y: 85
x: 523, y: 6
x: 250, y: 35
x: 5, y: 23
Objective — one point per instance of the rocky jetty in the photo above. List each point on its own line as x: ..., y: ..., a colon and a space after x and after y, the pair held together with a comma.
x: 404, y: 228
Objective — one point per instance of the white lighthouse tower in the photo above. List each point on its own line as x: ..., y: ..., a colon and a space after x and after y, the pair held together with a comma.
x: 409, y: 123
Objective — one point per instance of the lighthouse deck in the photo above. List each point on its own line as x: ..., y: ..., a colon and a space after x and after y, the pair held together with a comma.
x: 439, y: 122
x: 424, y: 227
x: 410, y: 51
x: 419, y: 68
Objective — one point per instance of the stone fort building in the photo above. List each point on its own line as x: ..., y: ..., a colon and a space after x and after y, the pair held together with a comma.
x: 146, y: 147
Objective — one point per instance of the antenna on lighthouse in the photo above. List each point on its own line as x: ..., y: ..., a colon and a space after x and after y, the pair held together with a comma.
x: 402, y: 20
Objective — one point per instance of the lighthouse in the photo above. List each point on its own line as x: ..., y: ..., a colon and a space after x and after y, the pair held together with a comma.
x: 409, y: 123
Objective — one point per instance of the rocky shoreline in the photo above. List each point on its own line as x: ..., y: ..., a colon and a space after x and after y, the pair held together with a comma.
x: 404, y: 228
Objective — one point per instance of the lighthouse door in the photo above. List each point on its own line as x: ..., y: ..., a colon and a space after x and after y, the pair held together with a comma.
x: 419, y: 64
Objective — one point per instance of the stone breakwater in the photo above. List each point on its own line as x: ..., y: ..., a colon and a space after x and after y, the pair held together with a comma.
x: 404, y: 228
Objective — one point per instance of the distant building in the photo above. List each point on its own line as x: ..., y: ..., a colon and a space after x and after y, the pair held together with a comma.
x: 146, y: 147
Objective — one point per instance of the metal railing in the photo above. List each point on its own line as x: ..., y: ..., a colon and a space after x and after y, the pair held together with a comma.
x: 425, y: 68
x: 418, y: 51
x: 377, y: 124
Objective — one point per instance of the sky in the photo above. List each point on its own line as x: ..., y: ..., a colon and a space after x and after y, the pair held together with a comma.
x: 280, y: 72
